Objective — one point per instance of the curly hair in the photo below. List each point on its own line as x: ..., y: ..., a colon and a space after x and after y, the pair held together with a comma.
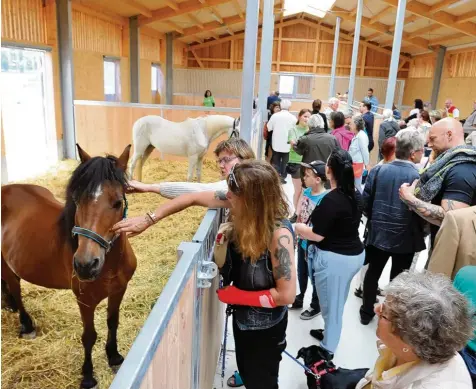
x: 429, y: 315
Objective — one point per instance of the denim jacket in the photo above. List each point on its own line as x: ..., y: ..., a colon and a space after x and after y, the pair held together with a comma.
x: 248, y: 276
x: 393, y: 227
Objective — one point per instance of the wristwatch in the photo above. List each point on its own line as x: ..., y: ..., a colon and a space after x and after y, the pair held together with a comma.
x: 153, y: 218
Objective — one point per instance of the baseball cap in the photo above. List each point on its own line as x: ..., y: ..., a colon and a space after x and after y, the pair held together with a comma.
x: 318, y: 167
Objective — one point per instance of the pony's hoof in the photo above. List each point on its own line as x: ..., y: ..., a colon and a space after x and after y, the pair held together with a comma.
x: 28, y: 336
x: 115, y: 368
x: 89, y: 383
x: 116, y: 362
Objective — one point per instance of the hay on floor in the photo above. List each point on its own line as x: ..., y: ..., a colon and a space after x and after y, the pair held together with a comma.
x: 53, y: 360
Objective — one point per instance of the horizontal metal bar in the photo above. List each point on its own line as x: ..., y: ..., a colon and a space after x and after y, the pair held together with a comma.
x: 140, y: 356
x: 30, y: 46
x: 155, y: 106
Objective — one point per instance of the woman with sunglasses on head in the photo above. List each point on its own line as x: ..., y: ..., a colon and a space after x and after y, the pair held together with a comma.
x: 334, y: 245
x: 423, y: 323
x: 259, y: 264
x: 228, y: 153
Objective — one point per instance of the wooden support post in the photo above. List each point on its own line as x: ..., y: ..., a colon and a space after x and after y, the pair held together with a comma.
x: 232, y: 54
x: 316, y: 49
x: 278, y: 59
x: 362, y: 62
x: 200, y: 63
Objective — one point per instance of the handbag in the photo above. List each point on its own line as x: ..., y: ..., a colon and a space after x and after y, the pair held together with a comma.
x: 265, y: 131
x: 370, y: 207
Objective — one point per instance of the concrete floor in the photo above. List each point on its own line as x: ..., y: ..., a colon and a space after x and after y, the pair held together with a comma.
x: 356, y: 349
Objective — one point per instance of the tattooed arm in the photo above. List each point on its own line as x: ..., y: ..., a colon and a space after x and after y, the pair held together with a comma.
x: 432, y: 213
x: 284, y: 270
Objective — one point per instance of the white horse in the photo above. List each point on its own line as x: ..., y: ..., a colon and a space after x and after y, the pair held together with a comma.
x: 190, y: 138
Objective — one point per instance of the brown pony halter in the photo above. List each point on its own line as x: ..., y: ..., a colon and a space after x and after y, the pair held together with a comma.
x: 105, y: 244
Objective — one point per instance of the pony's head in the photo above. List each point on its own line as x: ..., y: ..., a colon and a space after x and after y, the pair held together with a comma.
x: 235, y: 130
x: 95, y: 201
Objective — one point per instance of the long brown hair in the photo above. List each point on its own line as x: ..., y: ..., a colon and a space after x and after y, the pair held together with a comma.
x: 263, y: 206
x: 302, y: 112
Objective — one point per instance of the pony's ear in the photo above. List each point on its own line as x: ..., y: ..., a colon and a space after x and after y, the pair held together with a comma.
x: 124, y: 158
x: 83, y: 155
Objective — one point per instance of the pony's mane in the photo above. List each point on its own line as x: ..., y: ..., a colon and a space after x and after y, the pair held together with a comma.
x: 84, y: 181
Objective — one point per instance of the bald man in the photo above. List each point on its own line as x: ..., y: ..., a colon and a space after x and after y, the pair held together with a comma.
x: 451, y: 110
x: 458, y: 189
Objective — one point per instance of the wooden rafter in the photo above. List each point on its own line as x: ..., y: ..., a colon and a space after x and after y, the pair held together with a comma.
x: 424, y: 30
x: 195, y: 21
x: 373, y: 36
x: 441, y: 17
x: 138, y: 7
x: 171, y: 4
x: 384, y: 29
x: 184, y: 8
x: 174, y: 27
x: 238, y: 10
x: 213, y: 35
x: 447, y: 38
x: 379, y: 15
x: 442, y: 5
x: 408, y: 20
x: 216, y: 14
x: 465, y: 17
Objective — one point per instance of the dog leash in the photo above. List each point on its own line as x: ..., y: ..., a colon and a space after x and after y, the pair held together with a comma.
x: 317, y: 376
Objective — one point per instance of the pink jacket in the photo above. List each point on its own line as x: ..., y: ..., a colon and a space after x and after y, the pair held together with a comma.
x: 343, y: 136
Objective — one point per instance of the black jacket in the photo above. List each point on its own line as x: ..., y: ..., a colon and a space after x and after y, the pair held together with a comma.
x: 316, y: 145
x: 324, y: 117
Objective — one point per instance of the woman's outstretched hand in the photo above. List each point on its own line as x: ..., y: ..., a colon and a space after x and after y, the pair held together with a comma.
x: 132, y: 226
x: 134, y: 186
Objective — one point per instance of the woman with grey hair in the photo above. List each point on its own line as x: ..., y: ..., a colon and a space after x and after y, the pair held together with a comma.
x: 388, y: 128
x: 359, y: 150
x: 393, y: 229
x: 423, y: 323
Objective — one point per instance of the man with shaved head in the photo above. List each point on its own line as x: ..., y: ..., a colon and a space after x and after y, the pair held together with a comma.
x: 449, y: 182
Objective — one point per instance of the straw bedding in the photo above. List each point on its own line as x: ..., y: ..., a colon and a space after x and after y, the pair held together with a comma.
x: 53, y: 360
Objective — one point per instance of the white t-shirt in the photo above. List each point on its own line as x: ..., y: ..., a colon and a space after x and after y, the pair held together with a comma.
x: 414, y: 111
x: 455, y: 113
x: 281, y: 123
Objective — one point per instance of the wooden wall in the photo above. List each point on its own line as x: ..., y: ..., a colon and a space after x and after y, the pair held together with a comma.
x: 299, y: 46
x: 458, y: 80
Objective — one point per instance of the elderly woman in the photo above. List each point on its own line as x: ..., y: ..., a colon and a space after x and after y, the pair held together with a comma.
x: 388, y: 128
x: 423, y: 323
x: 359, y: 150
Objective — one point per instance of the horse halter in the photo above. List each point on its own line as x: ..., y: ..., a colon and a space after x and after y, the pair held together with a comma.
x: 105, y: 244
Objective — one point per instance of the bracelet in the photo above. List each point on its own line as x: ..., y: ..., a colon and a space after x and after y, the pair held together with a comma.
x: 152, y: 217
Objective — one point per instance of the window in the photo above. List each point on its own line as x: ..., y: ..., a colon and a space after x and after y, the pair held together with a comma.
x: 112, y: 79
x: 157, y: 82
x: 295, y: 86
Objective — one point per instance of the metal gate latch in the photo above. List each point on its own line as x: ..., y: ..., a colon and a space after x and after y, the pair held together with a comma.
x: 208, y: 271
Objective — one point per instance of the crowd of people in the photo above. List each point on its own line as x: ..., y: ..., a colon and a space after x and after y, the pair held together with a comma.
x: 425, y: 321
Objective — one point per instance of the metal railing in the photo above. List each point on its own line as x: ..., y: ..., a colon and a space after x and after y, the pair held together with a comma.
x: 194, y: 278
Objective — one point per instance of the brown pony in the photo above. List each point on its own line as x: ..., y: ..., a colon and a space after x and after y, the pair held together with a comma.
x: 71, y: 247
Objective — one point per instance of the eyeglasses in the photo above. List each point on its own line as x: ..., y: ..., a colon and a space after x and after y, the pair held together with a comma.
x: 232, y: 180
x: 225, y: 160
x: 380, y: 311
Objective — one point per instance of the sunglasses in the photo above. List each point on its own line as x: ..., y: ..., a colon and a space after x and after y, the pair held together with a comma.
x: 232, y: 180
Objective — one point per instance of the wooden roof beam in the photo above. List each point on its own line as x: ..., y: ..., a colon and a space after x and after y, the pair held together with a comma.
x: 465, y: 17
x: 195, y: 21
x: 238, y: 10
x: 165, y: 13
x: 174, y: 27
x: 384, y: 29
x: 442, y: 39
x: 441, y: 17
x: 216, y: 15
x: 379, y: 15
x: 442, y: 5
x: 424, y: 30
x: 170, y: 4
x: 138, y: 7
x: 372, y: 36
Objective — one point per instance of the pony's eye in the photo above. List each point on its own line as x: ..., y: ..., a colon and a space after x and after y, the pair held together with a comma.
x: 117, y: 204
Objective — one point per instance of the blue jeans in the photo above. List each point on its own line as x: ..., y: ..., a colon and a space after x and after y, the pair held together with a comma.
x: 333, y: 274
x: 304, y: 273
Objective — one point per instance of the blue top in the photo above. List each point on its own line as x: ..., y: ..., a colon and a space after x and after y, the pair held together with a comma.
x: 372, y: 100
x: 308, y: 203
x: 465, y: 282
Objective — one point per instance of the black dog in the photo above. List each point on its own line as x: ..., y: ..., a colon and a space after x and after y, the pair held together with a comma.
x: 333, y: 378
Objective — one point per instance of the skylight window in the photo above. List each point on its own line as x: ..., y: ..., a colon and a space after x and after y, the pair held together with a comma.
x: 313, y: 7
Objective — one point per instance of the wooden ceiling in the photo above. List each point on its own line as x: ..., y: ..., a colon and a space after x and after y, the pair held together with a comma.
x: 428, y: 23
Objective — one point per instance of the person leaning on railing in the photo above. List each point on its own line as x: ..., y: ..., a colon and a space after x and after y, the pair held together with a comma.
x: 262, y: 240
